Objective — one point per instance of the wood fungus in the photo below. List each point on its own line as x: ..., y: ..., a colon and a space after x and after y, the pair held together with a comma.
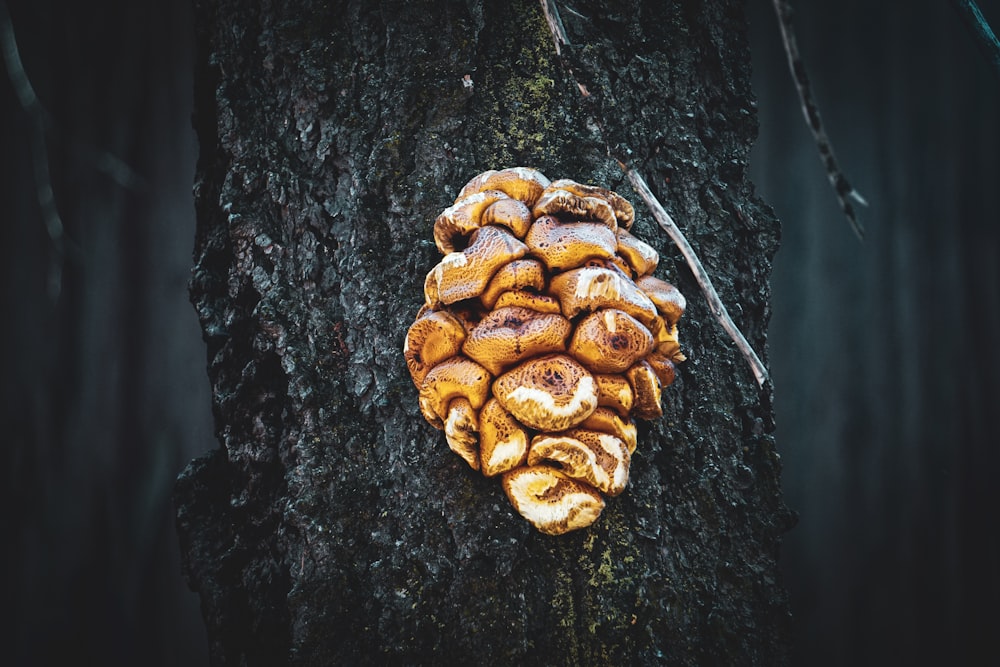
x: 542, y: 337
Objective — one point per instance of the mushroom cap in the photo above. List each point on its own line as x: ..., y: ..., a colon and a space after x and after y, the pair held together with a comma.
x: 646, y: 387
x: 522, y: 183
x: 624, y: 212
x: 568, y: 206
x: 461, y: 431
x: 509, y: 335
x: 609, y: 341
x: 600, y: 459
x: 549, y: 393
x: 663, y: 366
x: 640, y: 256
x: 615, y: 392
x: 518, y: 274
x: 458, y: 377
x: 543, y: 303
x: 667, y: 344
x: 567, y: 245
x: 591, y: 288
x: 465, y: 274
x: 431, y: 339
x: 503, y: 443
x: 607, y: 420
x: 552, y: 502
x: 668, y: 299
x: 510, y: 213
x: 453, y: 227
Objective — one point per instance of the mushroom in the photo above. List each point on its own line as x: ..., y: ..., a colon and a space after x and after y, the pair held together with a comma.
x: 646, y: 387
x: 463, y: 275
x: 518, y: 274
x: 458, y: 221
x: 510, y: 213
x: 509, y: 335
x: 607, y: 420
x: 451, y: 379
x: 521, y: 183
x: 600, y: 459
x: 503, y: 443
x: 624, y: 212
x: 615, y: 392
x: 640, y: 256
x: 549, y: 393
x: 460, y: 430
x: 667, y: 298
x: 609, y: 341
x: 567, y: 245
x: 566, y: 205
x: 590, y: 288
x: 543, y: 303
x: 552, y: 502
x: 663, y: 367
x: 436, y: 336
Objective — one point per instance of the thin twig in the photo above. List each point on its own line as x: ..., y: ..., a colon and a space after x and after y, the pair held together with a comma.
x: 718, y: 309
x: 555, y: 24
x: 837, y: 179
x: 976, y: 22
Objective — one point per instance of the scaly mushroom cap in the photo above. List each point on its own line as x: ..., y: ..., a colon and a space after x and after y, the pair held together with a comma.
x: 503, y: 443
x: 436, y: 336
x: 615, y: 392
x: 465, y: 274
x: 624, y: 212
x: 607, y: 420
x: 521, y: 183
x: 667, y: 344
x: 590, y: 288
x: 457, y: 222
x: 543, y: 303
x: 646, y: 387
x: 510, y: 213
x: 460, y: 430
x: 609, y: 341
x: 519, y: 274
x: 600, y: 459
x: 568, y: 206
x: 507, y: 336
x: 663, y: 367
x: 667, y: 298
x: 550, y: 393
x: 641, y: 257
x: 552, y: 502
x: 567, y: 245
x: 457, y: 377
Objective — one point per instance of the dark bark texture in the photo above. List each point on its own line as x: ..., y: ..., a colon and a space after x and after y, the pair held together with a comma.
x: 334, y: 526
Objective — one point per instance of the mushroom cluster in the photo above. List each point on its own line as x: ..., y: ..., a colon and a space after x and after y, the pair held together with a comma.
x: 542, y: 336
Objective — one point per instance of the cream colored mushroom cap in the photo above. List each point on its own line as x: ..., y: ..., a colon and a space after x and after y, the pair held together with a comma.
x: 549, y: 393
x: 552, y: 502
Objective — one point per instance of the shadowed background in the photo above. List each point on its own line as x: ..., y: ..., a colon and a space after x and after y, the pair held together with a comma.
x: 882, y: 353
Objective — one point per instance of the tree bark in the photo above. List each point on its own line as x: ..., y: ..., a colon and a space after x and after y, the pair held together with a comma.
x: 334, y: 526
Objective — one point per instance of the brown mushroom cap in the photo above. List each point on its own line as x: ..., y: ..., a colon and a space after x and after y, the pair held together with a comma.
x: 457, y: 222
x: 609, y: 341
x: 461, y: 431
x: 521, y: 183
x: 646, y: 387
x: 509, y: 335
x: 510, y: 213
x: 615, y: 392
x: 465, y: 274
x: 591, y: 288
x: 666, y: 340
x: 568, y: 245
x: 663, y: 366
x: 453, y: 378
x: 641, y: 257
x: 518, y: 274
x: 607, y: 420
x: 436, y: 336
x: 503, y: 443
x: 543, y: 303
x: 550, y: 393
x: 667, y: 298
x: 552, y: 502
x: 624, y: 212
x: 600, y: 459
x: 568, y: 206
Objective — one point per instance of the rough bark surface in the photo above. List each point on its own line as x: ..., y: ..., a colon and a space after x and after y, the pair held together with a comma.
x: 334, y: 526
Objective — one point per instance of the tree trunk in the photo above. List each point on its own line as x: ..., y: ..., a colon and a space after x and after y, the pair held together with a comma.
x: 334, y: 526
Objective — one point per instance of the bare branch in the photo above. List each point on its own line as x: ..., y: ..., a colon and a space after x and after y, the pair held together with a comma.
x: 715, y: 303
x: 837, y: 179
x: 555, y: 24
x: 976, y: 22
